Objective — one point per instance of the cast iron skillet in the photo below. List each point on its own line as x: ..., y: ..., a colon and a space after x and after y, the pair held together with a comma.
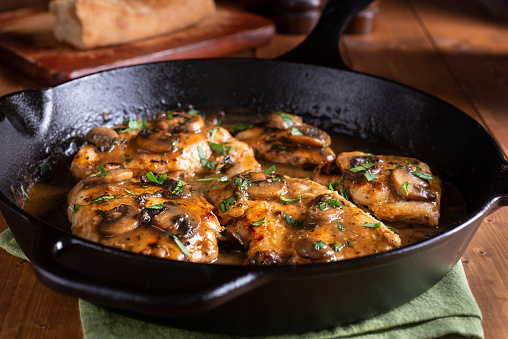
x: 42, y: 125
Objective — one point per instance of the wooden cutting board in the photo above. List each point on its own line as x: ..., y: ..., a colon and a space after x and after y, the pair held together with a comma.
x: 27, y: 44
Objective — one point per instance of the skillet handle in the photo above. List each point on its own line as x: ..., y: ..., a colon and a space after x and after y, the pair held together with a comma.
x: 321, y: 48
x: 133, y: 282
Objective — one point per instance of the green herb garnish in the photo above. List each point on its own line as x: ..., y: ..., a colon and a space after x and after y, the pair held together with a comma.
x: 103, y: 172
x: 134, y: 125
x: 319, y: 245
x: 179, y: 186
x: 337, y: 246
x: 405, y: 187
x: 295, y: 131
x: 423, y: 175
x: 363, y: 167
x: 45, y: 167
x: 105, y: 198
x: 287, y: 118
x: 155, y: 206
x: 181, y: 246
x: 258, y: 223
x: 291, y: 222
x: 226, y: 204
x: 24, y: 193
x: 372, y: 225
x: 242, y: 127
x: 289, y: 200
x: 204, y: 161
x: 370, y: 176
x: 157, y: 180
x: 270, y: 170
x: 220, y: 148
x: 75, y: 208
x: 129, y: 192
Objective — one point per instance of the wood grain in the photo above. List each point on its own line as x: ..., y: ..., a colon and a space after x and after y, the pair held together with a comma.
x: 27, y: 44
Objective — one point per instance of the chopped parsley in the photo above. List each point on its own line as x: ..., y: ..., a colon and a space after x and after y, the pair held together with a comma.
x: 213, y: 131
x: 295, y: 131
x: 363, y: 167
x: 105, y: 198
x: 346, y: 194
x: 319, y: 245
x: 370, y: 176
x: 25, y: 194
x: 226, y: 204
x: 204, y: 161
x: 340, y: 227
x: 179, y: 186
x: 129, y: 192
x: 157, y: 180
x: 332, y: 186
x: 270, y: 170
x: 289, y: 200
x: 291, y: 222
x: 372, y: 225
x: 103, y: 172
x: 330, y: 202
x: 405, y: 187
x: 218, y: 148
x: 134, y: 125
x: 392, y: 229
x: 287, y: 118
x: 45, y: 167
x: 181, y: 246
x: 258, y: 223
x: 423, y: 175
x: 242, y: 127
x: 75, y: 208
x: 337, y: 246
x: 155, y: 206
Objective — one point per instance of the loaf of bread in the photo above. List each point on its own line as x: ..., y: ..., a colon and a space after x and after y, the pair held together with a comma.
x: 95, y: 23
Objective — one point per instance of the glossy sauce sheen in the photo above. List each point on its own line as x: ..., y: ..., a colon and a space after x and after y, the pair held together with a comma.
x: 48, y: 198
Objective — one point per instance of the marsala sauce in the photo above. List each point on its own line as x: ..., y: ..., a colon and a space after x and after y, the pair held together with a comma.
x: 48, y: 197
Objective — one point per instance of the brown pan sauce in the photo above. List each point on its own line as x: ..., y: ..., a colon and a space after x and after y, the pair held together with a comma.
x: 48, y: 198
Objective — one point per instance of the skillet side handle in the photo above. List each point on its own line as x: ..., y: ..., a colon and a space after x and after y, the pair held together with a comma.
x: 501, y: 188
x: 321, y: 48
x: 68, y: 265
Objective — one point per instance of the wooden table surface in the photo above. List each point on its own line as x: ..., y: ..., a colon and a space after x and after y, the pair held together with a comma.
x: 454, y: 49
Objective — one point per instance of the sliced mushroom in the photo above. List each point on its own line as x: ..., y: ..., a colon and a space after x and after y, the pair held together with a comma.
x: 156, y: 141
x: 175, y: 189
x: 281, y: 120
x: 417, y: 189
x: 325, y: 208
x: 350, y: 164
x: 113, y: 176
x: 103, y: 138
x: 178, y: 122
x: 309, y: 136
x: 177, y: 220
x: 265, y: 258
x: 119, y: 220
x: 312, y: 248
x: 252, y: 133
x: 259, y: 185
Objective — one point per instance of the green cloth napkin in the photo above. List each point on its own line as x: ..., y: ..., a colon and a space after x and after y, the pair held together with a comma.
x: 447, y: 309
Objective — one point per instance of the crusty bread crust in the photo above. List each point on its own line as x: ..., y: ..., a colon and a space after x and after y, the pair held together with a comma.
x: 95, y: 23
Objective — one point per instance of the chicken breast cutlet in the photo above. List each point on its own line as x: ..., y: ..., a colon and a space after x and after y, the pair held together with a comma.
x: 392, y: 188
x: 285, y: 138
x: 179, y: 144
x: 154, y: 215
x: 281, y: 220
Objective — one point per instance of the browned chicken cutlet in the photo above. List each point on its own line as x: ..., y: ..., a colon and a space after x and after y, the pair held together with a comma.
x: 180, y: 144
x: 281, y: 220
x: 392, y: 188
x: 155, y: 216
x: 284, y: 138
